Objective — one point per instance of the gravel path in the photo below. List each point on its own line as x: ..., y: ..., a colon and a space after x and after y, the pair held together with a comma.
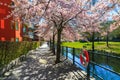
x: 39, y: 65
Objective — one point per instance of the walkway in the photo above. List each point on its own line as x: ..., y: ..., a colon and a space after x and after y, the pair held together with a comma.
x: 39, y: 65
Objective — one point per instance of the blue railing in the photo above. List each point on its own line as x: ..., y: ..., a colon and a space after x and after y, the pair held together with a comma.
x: 95, y: 68
x: 102, y: 65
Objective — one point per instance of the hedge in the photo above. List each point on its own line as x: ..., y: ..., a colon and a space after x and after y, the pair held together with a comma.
x: 12, y: 50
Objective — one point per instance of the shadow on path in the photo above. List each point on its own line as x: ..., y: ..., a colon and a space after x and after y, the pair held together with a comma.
x: 39, y: 65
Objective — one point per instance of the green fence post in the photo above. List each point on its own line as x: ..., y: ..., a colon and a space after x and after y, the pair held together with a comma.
x: 93, y: 60
x: 66, y: 52
x: 73, y: 56
x: 88, y: 72
x: 62, y: 50
x: 107, y: 58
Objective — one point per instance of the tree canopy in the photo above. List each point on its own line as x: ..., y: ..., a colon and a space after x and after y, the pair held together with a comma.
x: 66, y: 18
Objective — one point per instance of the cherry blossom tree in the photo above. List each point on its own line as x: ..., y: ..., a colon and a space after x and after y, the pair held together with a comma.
x: 29, y: 10
x: 106, y: 29
x: 70, y: 34
x: 48, y: 32
x: 116, y: 17
x: 60, y: 12
x: 89, y: 20
x: 87, y: 13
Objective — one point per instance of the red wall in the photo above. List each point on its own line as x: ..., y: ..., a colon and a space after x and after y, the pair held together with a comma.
x: 6, y: 32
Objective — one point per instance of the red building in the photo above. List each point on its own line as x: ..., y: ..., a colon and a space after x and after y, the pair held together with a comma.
x: 10, y: 30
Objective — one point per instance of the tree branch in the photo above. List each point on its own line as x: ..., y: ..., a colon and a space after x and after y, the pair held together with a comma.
x: 72, y: 17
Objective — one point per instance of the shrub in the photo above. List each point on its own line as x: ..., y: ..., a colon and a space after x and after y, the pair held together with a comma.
x: 12, y: 50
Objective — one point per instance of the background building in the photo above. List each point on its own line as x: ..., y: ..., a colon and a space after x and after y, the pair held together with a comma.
x: 10, y: 29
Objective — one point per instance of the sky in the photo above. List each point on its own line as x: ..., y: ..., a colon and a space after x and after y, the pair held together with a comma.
x: 114, y: 12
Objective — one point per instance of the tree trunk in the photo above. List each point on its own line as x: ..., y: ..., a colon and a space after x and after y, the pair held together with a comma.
x: 107, y: 39
x: 53, y: 47
x: 93, y: 58
x: 93, y: 35
x: 98, y: 39
x: 50, y: 43
x: 58, y: 46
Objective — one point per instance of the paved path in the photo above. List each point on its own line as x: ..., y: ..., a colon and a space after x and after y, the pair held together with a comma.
x: 39, y: 65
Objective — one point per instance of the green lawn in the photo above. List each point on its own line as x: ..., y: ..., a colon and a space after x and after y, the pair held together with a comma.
x: 113, y: 46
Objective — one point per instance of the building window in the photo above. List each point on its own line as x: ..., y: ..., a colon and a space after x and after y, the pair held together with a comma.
x: 17, y: 39
x: 16, y: 26
x: 2, y: 26
x: 12, y: 39
x: 2, y: 38
x: 13, y: 25
x: 24, y: 29
x: 12, y: 3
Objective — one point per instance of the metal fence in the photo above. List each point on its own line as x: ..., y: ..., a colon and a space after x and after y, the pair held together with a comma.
x: 100, y: 61
x: 97, y: 59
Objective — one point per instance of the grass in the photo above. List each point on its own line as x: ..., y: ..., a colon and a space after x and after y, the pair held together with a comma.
x: 114, y: 47
x: 100, y: 59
